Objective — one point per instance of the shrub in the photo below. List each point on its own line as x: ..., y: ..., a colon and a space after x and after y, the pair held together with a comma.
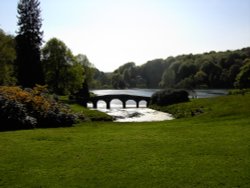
x: 30, y: 108
x: 238, y: 91
x: 168, y: 97
x: 14, y: 115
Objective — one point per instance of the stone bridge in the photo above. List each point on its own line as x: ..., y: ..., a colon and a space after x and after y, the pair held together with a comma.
x: 123, y: 98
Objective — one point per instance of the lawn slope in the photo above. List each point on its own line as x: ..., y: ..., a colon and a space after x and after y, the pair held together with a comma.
x: 211, y: 149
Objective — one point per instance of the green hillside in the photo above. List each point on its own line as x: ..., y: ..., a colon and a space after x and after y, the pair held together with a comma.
x: 210, y: 149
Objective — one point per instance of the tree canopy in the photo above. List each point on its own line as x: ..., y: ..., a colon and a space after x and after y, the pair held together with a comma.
x: 28, y: 42
x: 207, y: 70
x: 7, y: 59
x: 63, y: 73
x: 243, y: 78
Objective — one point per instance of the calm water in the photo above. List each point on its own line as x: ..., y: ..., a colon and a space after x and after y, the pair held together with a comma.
x: 133, y: 114
x: 201, y: 93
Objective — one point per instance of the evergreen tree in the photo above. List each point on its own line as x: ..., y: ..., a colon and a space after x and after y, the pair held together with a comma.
x: 28, y: 42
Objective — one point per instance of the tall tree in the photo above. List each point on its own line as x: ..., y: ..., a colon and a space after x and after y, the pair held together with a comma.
x: 63, y: 73
x: 82, y: 95
x: 28, y: 42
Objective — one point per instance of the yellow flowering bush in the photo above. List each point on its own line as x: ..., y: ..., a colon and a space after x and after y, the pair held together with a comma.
x: 29, y: 108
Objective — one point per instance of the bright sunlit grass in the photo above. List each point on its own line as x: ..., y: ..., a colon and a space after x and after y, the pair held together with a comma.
x: 209, y: 150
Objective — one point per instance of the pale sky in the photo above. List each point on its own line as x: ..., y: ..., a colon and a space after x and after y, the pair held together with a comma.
x: 114, y: 32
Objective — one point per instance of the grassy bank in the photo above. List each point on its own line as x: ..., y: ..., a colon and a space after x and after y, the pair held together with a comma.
x: 211, y: 149
x: 89, y: 115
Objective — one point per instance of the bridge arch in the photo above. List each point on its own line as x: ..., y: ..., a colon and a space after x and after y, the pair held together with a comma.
x: 143, y: 103
x: 131, y: 103
x: 101, y: 103
x: 117, y: 101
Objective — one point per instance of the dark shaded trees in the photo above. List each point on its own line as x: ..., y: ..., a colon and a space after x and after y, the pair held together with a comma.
x: 168, y: 97
x: 7, y: 59
x: 152, y: 72
x: 101, y: 80
x: 118, y: 81
x: 28, y: 42
x: 243, y: 78
x: 168, y: 79
x: 207, y: 70
x: 124, y: 76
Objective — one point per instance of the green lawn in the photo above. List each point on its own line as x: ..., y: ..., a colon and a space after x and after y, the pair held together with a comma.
x: 209, y: 150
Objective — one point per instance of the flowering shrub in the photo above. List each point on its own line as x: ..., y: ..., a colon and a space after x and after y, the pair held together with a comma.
x: 30, y: 108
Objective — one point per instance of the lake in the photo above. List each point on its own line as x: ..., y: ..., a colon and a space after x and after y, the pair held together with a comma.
x: 142, y: 114
x: 201, y: 93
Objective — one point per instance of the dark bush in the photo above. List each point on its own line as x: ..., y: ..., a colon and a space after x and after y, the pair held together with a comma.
x: 13, y: 115
x: 168, y: 97
x: 30, y: 108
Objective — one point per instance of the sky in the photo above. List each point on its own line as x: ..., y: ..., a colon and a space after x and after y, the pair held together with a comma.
x: 114, y: 32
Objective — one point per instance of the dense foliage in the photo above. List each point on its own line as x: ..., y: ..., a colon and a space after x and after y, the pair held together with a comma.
x: 208, y: 70
x: 7, y: 59
x: 68, y: 74
x: 28, y: 42
x: 169, y: 96
x: 243, y: 78
x: 30, y: 108
x: 63, y: 73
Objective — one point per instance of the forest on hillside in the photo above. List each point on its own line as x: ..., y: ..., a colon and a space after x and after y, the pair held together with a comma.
x: 64, y: 71
x: 226, y: 69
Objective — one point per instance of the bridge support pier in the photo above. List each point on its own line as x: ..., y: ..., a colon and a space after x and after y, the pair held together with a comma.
x: 95, y: 104
x: 108, y: 104
x: 124, y: 104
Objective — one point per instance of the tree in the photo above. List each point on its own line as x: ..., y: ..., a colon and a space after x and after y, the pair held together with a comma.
x: 201, y: 79
x: 83, y: 94
x: 28, y: 42
x: 168, y: 79
x: 233, y: 71
x: 213, y: 72
x: 88, y: 67
x: 118, y: 82
x: 63, y: 73
x: 152, y: 72
x: 101, y: 80
x: 185, y: 70
x: 187, y: 83
x: 243, y: 78
x: 7, y: 57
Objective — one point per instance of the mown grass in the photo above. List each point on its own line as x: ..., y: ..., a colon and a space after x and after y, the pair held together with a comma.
x: 211, y: 149
x: 90, y: 115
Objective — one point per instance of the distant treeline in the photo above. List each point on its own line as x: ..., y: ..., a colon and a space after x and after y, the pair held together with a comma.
x: 64, y: 73
x: 227, y: 69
